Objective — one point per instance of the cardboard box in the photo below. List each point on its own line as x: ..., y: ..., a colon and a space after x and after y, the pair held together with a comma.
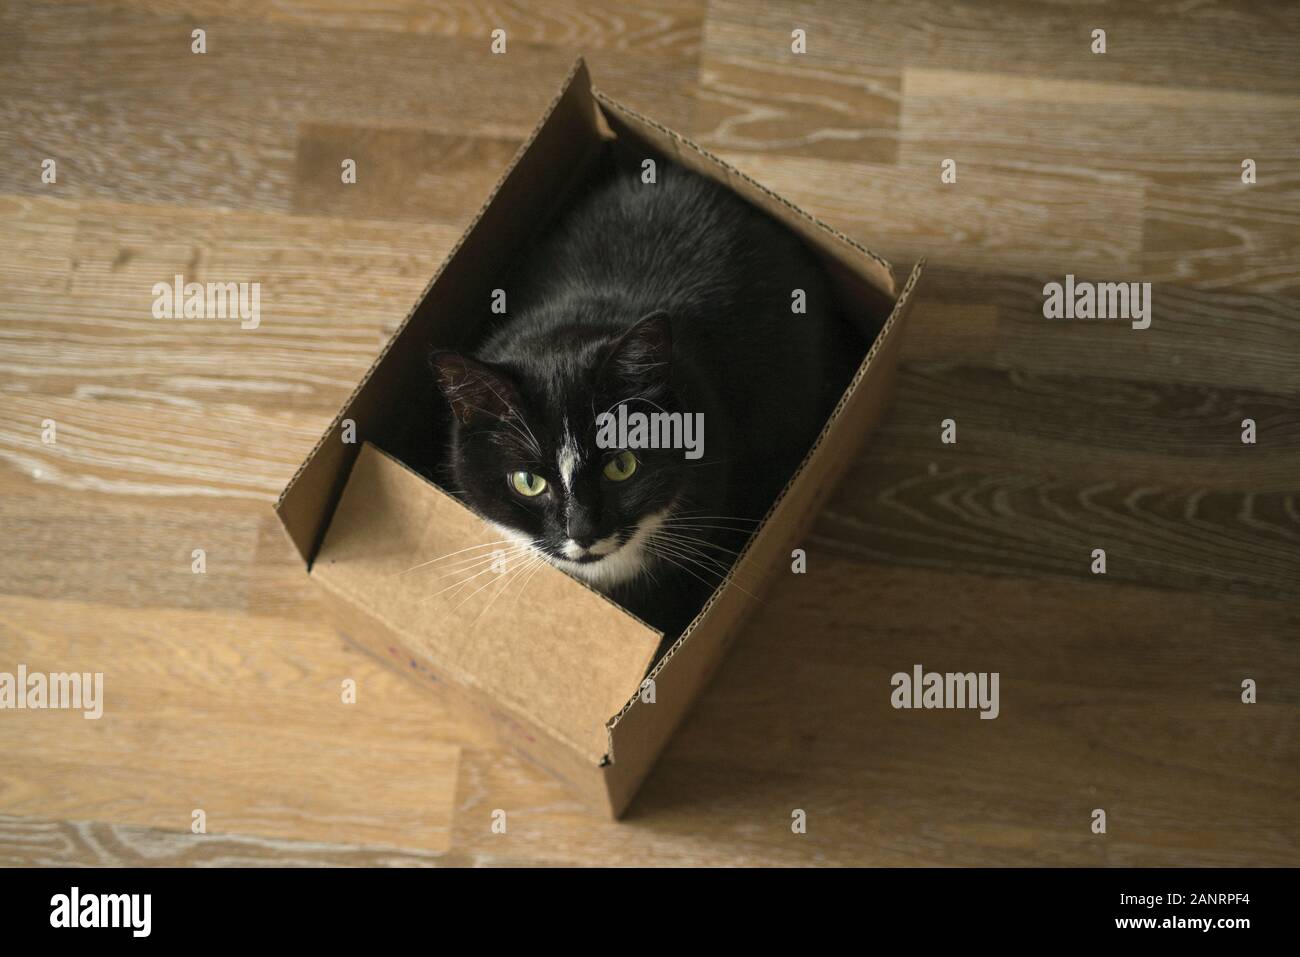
x: 561, y: 674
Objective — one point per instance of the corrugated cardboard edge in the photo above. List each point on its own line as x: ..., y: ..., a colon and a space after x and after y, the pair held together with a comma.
x: 623, y: 791
x: 517, y: 732
x: 306, y: 549
x: 679, y: 141
x: 900, y: 309
x: 517, y: 708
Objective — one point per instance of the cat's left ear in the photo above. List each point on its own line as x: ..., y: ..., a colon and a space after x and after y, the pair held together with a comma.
x: 476, y: 391
x: 642, y: 356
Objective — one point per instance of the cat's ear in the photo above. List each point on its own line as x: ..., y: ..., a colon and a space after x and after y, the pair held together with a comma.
x: 642, y: 357
x: 476, y: 392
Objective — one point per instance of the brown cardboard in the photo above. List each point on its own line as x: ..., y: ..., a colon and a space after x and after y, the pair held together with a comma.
x: 555, y: 667
x: 566, y: 657
x: 539, y: 177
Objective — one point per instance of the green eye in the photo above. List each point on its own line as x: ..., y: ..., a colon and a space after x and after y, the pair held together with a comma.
x: 620, y: 467
x: 526, y: 483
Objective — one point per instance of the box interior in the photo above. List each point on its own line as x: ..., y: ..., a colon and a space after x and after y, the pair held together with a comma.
x: 416, y: 424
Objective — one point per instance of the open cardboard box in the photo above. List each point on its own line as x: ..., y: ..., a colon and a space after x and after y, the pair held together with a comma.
x: 561, y: 672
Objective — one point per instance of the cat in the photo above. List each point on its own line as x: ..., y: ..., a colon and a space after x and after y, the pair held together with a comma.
x: 667, y: 297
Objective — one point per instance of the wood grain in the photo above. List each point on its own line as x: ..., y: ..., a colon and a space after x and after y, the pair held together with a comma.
x: 223, y: 689
x: 672, y: 27
x: 1201, y: 223
x: 212, y: 712
x: 1044, y: 223
x: 761, y: 105
x: 1227, y: 44
x: 796, y: 720
x: 1197, y: 336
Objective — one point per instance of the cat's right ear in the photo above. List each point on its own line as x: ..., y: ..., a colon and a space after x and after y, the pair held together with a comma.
x: 476, y: 392
x: 641, y: 359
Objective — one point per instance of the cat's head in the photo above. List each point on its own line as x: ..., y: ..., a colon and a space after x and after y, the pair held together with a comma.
x: 526, y: 448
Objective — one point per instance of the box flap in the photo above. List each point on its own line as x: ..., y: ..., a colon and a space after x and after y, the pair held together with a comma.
x: 563, y: 141
x: 530, y: 636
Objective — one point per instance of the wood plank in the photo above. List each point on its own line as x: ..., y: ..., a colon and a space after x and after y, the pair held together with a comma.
x: 239, y: 717
x: 1085, y: 429
x: 764, y: 105
x: 128, y: 551
x: 999, y: 222
x: 1224, y: 234
x: 1016, y: 522
x: 411, y: 175
x: 1226, y: 44
x: 1012, y: 123
x: 27, y: 842
x: 126, y: 125
x: 951, y: 332
x: 140, y: 448
x: 1197, y: 337
x: 331, y: 288
x: 799, y: 717
x: 672, y: 27
x: 1201, y: 224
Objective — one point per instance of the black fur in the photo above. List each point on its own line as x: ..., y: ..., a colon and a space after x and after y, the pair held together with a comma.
x: 675, y: 296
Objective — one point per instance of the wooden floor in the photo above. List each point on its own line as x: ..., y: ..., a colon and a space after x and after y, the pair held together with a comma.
x: 1119, y: 692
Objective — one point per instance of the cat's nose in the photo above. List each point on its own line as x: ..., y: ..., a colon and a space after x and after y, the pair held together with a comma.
x: 582, y: 531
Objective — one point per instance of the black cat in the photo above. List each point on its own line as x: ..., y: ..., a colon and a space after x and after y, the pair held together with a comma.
x: 670, y: 297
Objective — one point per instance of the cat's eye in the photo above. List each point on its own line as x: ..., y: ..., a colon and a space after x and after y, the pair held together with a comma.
x: 526, y: 483
x: 620, y: 467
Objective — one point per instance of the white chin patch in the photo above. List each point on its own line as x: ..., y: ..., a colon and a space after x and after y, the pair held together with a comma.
x: 620, y: 563
x: 617, y: 565
x: 605, y: 546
